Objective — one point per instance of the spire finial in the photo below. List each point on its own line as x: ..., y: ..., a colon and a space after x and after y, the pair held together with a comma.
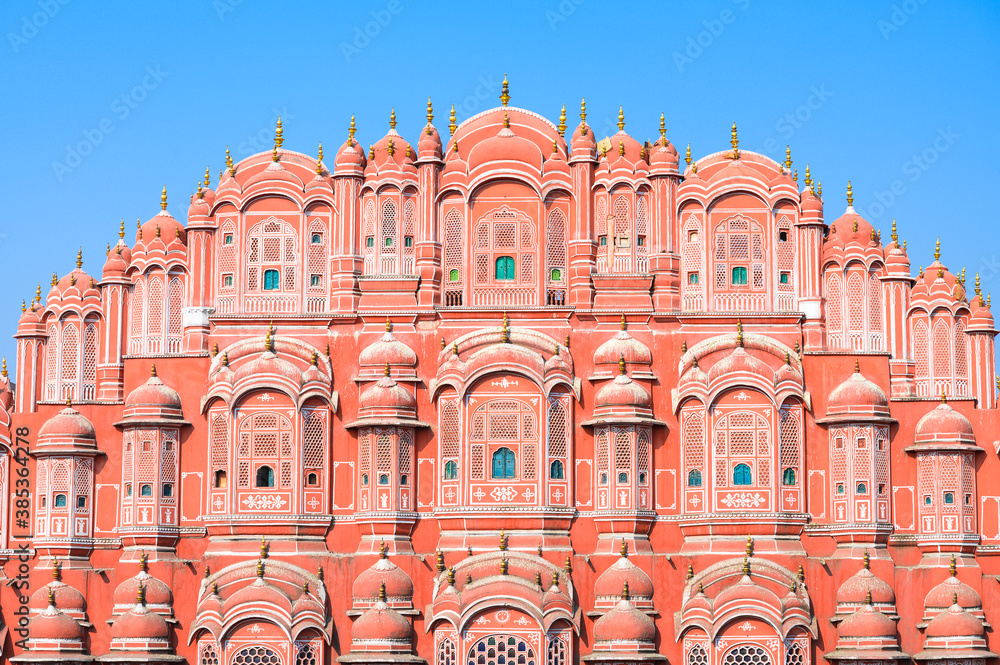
x: 868, y: 597
x: 503, y: 565
x: 260, y: 569
x: 937, y: 249
x: 857, y: 366
x: 952, y: 567
x: 229, y: 162
x: 663, y: 130
x: 624, y: 549
x: 866, y: 560
x: 739, y: 332
x: 140, y: 595
x: 208, y: 177
x: 56, y: 569
x: 690, y: 573
x: 351, y: 130
x: 505, y: 330
x: 568, y: 566
x: 562, y: 121
x: 749, y: 547
x: 625, y: 590
x: 809, y: 179
x: 978, y: 293
x: 439, y: 560
x: 954, y: 599
x: 621, y: 119
x: 622, y: 322
x: 451, y: 121
x: 506, y: 120
x: 944, y: 396
x: 383, y: 551
x: 621, y: 364
x: 386, y: 372
x: 52, y: 597
x: 143, y: 561
x: 819, y: 189
x: 392, y: 118
x: 381, y: 591
x: 278, y: 134
x: 583, y: 110
x: 850, y: 194
x: 264, y: 547
x: 504, y: 91
x: 895, y: 236
x: 152, y: 370
x: 503, y: 540
x: 79, y: 258
x: 746, y: 566
x: 788, y: 158
x: 735, y: 142
x: 163, y: 198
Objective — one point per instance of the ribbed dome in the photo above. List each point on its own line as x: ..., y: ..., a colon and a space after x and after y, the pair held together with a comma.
x: 117, y: 262
x: 429, y: 144
x: 66, y: 597
x: 52, y: 624
x: 68, y: 423
x: 955, y: 622
x: 858, y: 395
x: 584, y: 145
x: 398, y: 585
x: 623, y: 392
x: 387, y: 349
x: 623, y: 344
x: 949, y: 592
x: 506, y: 146
x: 622, y: 571
x: 152, y: 394
x: 387, y: 394
x: 811, y: 203
x: 624, y: 623
x: 944, y: 425
x: 156, y: 593
x: 867, y: 622
x: 350, y: 159
x: 139, y: 624
x: 738, y: 361
x: 855, y: 589
x: 381, y: 623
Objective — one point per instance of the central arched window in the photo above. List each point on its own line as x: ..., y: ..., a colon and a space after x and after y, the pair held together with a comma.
x: 505, y: 269
x: 271, y: 257
x: 556, y: 470
x: 504, y: 464
x: 501, y: 649
x: 256, y: 656
x: 272, y: 280
x: 742, y: 475
x: 694, y: 478
x: 265, y: 476
x: 747, y: 654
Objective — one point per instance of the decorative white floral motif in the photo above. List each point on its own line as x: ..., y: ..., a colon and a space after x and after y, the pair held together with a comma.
x: 742, y: 396
x: 694, y: 500
x: 504, y: 382
x: 522, y: 622
x: 263, y: 502
x: 744, y: 500
x: 479, y: 494
x: 502, y: 616
x: 482, y: 620
x: 265, y: 397
x: 256, y: 628
x: 746, y: 626
x: 528, y: 494
x: 505, y: 494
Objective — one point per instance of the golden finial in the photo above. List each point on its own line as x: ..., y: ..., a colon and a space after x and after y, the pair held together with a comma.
x: 977, y: 285
x: 503, y: 540
x: 562, y: 121
x: 788, y: 158
x: 802, y: 574
x: 454, y: 348
x: 314, y: 360
x: 663, y: 130
x: 894, y: 236
x: 430, y: 113
x: 746, y: 566
x: 937, y: 249
x: 351, y: 130
x: 451, y: 121
x: 690, y: 573
x: 739, y: 332
x: 208, y: 177
x: 454, y: 147
x: 621, y: 364
x: 260, y: 568
x: 583, y: 111
x: 808, y: 180
x: 208, y: 571
x: 199, y: 193
x: 157, y: 230
x: 568, y: 566
x: 749, y: 548
x: 503, y: 565
x: 143, y: 561
x: 539, y: 549
x: 920, y: 271
x: 857, y: 366
x: 52, y: 597
x: 439, y: 556
x: 140, y: 596
x: 264, y: 547
x: 962, y: 280
x: 56, y: 569
x: 621, y: 148
x: 819, y: 189
x: 850, y: 194
x: 392, y: 118
x: 79, y: 258
x: 386, y: 371
x: 278, y: 134
x: 566, y: 342
x: 163, y: 198
x: 152, y: 369
x: 505, y: 330
x: 121, y: 229
x: 621, y: 119
x: 854, y: 227
x: 604, y: 150
x: 795, y: 176
x: 38, y: 292
x: 319, y: 159
x: 555, y: 578
x: 24, y: 306
x: 451, y: 576
x: 320, y: 574
x: 952, y: 567
x: 229, y: 162
x: 622, y: 322
x: 383, y: 551
x: 684, y: 346
x: 506, y: 120
x: 390, y: 148
x: 865, y: 560
x: 868, y: 597
x: 735, y: 141
x: 687, y: 155
x: 624, y: 549
x: 625, y: 590
x: 274, y: 154
x: 504, y: 91
x: 371, y: 151
x: 381, y: 592
x: 555, y: 146
x: 3, y: 367
x: 944, y: 396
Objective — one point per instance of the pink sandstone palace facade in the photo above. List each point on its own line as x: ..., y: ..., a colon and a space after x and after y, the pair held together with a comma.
x: 521, y: 396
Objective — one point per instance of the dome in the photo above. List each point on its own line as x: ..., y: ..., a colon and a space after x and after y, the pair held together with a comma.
x: 624, y: 393
x: 955, y: 622
x: 952, y: 591
x: 944, y: 425
x: 663, y: 156
x: 55, y: 626
x: 75, y: 285
x: 811, y: 204
x: 694, y: 375
x: 350, y: 159
x: 269, y: 363
x: 738, y: 361
x: 66, y: 598
x: 624, y: 623
x: 855, y: 590
x: 429, y: 145
x: 381, y: 624
x: 554, y: 162
x: 611, y: 582
x: 153, y: 395
x: 623, y: 344
x: 982, y: 317
x: 117, y: 262
x: 506, y: 146
x: 621, y: 151
x: 155, y: 592
x: 68, y: 423
x: 387, y: 350
x: 584, y: 145
x: 387, y: 394
x: 398, y: 585
x: 199, y: 206
x: 858, y: 396
x: 867, y: 622
x: 140, y: 625
x: 163, y: 227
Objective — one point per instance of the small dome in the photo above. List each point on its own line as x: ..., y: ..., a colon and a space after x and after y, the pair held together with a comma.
x: 162, y: 227
x: 154, y: 394
x: 624, y: 393
x: 68, y: 423
x: 117, y: 262
x: 811, y: 204
x: 387, y: 349
x: 53, y: 625
x: 140, y: 625
x: 66, y: 597
x: 269, y: 363
x: 694, y: 375
x: 398, y: 585
x: 955, y: 622
x: 379, y: 624
x: 982, y: 317
x: 663, y: 156
x: 855, y: 590
x: 623, y: 344
x: 624, y: 623
x: 858, y: 396
x: 738, y: 361
x: 429, y: 145
x: 611, y: 582
x: 387, y: 394
x: 944, y: 425
x: 952, y: 591
x: 155, y: 592
x: 350, y: 158
x: 506, y: 146
x: 199, y: 206
x: 867, y: 622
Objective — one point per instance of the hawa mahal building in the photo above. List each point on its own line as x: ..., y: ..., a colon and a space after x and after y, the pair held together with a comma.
x: 517, y: 397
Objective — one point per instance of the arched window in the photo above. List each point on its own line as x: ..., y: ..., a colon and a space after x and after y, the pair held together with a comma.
x: 739, y: 276
x: 741, y: 475
x: 256, y: 656
x: 450, y: 470
x: 312, y: 479
x: 505, y: 268
x: 221, y: 481
x: 862, y: 488
x: 383, y: 479
x: 556, y: 470
x: 265, y: 476
x: 364, y: 479
x: 60, y: 501
x: 788, y: 476
x: 623, y: 477
x: 272, y: 280
x: 504, y: 463
x: 949, y: 497
x: 694, y: 478
x: 145, y: 490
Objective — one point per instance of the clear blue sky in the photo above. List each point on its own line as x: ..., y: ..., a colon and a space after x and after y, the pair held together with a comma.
x: 103, y: 103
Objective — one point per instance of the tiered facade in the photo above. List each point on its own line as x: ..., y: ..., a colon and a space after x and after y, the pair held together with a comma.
x: 521, y: 396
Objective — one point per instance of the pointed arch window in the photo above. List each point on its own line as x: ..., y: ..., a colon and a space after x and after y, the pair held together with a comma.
x: 504, y: 464
x: 265, y: 476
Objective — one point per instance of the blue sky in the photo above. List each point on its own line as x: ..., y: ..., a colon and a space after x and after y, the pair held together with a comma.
x: 103, y: 104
